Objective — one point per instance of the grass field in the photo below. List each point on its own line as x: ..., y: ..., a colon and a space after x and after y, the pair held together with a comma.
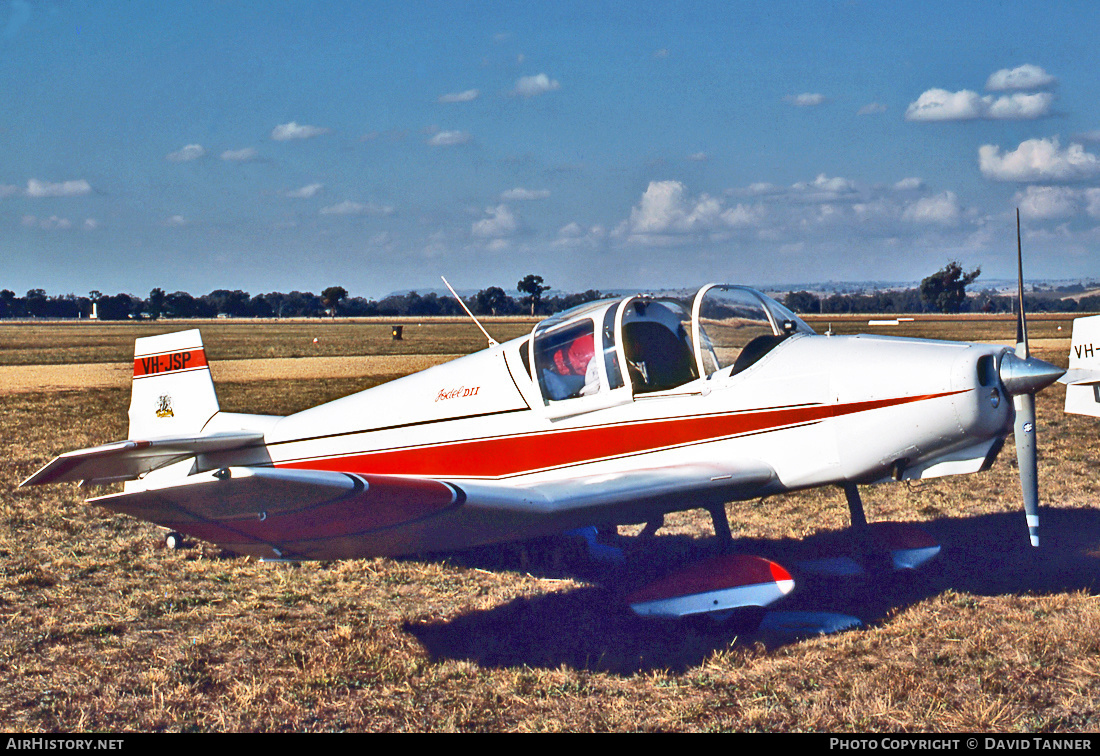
x: 102, y: 628
x: 30, y: 343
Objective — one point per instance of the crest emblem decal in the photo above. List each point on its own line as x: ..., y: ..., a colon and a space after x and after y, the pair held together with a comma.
x: 164, y: 406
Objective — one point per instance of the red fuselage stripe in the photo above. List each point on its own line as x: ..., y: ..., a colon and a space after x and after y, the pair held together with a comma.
x: 512, y: 455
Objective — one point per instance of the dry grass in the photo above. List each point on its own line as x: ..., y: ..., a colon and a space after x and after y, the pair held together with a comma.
x: 84, y: 342
x: 101, y: 628
x: 1000, y: 329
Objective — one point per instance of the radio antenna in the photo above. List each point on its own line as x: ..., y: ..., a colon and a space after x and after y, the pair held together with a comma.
x: 492, y: 342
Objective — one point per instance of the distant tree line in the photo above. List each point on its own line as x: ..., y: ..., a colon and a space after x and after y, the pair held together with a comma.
x: 908, y: 301
x: 331, y: 302
x: 943, y: 291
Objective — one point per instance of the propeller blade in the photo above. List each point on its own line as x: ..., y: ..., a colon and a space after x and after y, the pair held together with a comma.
x: 1024, y: 431
x: 1022, y: 350
x: 1023, y: 375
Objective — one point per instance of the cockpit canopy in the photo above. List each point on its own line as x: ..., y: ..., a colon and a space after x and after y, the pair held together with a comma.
x: 659, y: 344
x: 736, y: 326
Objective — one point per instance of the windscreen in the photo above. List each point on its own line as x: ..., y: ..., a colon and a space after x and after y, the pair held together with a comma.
x: 736, y: 326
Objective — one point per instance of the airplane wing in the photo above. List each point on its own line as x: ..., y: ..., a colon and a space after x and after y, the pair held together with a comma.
x: 128, y: 460
x: 701, y: 484
x: 315, y: 514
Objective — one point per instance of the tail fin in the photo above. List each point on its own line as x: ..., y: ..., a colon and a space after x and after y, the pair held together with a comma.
x: 173, y: 393
x: 1083, y: 376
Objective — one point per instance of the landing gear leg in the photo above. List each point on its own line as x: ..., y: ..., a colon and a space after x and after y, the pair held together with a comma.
x: 721, y: 524
x: 855, y: 507
x: 652, y: 527
x: 861, y: 532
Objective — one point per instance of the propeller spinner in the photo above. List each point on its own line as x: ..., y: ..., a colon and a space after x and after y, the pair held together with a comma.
x: 1022, y: 376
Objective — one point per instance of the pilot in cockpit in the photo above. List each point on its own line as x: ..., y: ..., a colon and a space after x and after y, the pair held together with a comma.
x: 573, y: 372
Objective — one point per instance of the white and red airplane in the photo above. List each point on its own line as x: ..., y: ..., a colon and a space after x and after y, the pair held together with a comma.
x: 618, y: 411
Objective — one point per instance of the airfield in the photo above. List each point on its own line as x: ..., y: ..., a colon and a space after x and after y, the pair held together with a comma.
x: 103, y: 629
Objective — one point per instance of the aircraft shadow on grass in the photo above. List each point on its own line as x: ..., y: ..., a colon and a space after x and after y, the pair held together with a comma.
x: 591, y: 627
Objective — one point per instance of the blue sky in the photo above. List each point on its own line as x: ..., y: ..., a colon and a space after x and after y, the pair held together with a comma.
x: 297, y: 145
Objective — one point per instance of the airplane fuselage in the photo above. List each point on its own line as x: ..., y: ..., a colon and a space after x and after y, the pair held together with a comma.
x: 815, y: 410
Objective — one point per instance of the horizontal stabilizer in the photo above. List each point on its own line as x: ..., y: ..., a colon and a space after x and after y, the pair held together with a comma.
x: 129, y: 460
x: 1080, y: 376
x: 280, y: 513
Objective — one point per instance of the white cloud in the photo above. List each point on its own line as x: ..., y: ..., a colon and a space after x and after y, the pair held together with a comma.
x: 186, y: 154
x: 1046, y: 202
x: 1026, y: 76
x: 697, y: 157
x: 36, y: 188
x: 575, y: 236
x: 53, y: 223
x: 1092, y: 202
x: 941, y: 105
x: 965, y: 105
x: 822, y: 189
x: 467, y: 96
x: 500, y: 223
x: 449, y: 138
x: 524, y: 194
x: 909, y: 184
x: 292, y: 130
x: 666, y: 210
x: 90, y: 224
x: 871, y: 109
x: 805, y: 100
x: 7, y: 190
x: 309, y: 190
x: 1021, y: 106
x: 572, y: 230
x: 742, y: 215
x: 347, y: 207
x: 942, y: 209
x: 763, y: 187
x: 660, y: 54
x: 176, y: 221
x: 832, y: 186
x: 240, y: 156
x: 879, y: 208
x: 529, y: 86
x: 1038, y: 160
